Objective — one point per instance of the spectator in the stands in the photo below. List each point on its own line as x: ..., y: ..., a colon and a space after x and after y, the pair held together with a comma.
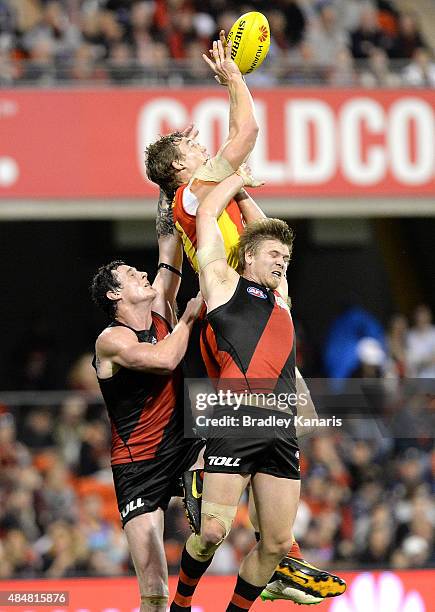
x: 421, y: 344
x: 94, y: 451
x: 122, y: 67
x: 12, y: 453
x: 421, y: 71
x: 8, y: 71
x: 57, y: 497
x: 408, y: 38
x: 66, y: 551
x: 141, y: 28
x: 196, y: 68
x: 111, y: 30
x: 342, y: 73
x: 396, y: 341
x: 377, y: 72
x: 20, y: 555
x: 69, y: 429
x: 368, y: 35
x: 19, y: 512
x: 181, y: 33
x: 294, y: 18
x: 37, y: 433
x: 325, y: 36
x: 378, y: 549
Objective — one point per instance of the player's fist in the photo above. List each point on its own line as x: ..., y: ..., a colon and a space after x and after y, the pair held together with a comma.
x: 193, y: 308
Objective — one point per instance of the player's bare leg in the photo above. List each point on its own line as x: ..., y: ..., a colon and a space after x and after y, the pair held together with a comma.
x: 276, y: 500
x: 220, y: 498
x: 295, y: 579
x: 218, y: 490
x: 145, y: 540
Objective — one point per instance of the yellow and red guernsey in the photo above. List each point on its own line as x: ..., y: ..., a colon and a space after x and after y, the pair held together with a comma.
x: 230, y: 222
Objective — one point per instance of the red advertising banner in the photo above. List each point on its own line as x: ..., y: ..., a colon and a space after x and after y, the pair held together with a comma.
x: 401, y: 591
x: 90, y: 144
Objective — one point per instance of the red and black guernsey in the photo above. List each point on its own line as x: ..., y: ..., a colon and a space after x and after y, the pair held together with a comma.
x: 249, y: 342
x: 145, y: 410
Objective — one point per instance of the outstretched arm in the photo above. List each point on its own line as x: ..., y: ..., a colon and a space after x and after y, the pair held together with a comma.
x: 212, y: 258
x: 243, y: 127
x: 248, y: 207
x: 167, y: 281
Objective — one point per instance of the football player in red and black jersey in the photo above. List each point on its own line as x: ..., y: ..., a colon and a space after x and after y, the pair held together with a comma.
x: 137, y: 360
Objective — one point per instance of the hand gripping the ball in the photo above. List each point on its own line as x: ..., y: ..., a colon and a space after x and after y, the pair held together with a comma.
x: 221, y: 63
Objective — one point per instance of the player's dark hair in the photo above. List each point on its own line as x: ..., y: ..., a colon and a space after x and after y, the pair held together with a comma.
x: 104, y: 281
x: 259, y: 230
x: 158, y: 162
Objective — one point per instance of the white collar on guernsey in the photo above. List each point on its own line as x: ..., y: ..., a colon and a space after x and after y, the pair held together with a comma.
x: 190, y: 201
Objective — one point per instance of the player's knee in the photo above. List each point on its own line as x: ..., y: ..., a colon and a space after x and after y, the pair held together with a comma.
x: 212, y: 533
x: 277, y: 546
x: 216, y: 522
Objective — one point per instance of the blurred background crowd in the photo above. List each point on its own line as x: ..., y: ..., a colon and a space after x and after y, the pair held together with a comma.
x: 367, y: 496
x: 371, y: 43
x: 368, y: 489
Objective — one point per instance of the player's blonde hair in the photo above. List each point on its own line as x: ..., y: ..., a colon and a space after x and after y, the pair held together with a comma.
x: 259, y: 230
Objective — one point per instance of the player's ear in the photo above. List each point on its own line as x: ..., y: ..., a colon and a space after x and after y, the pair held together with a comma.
x: 113, y: 295
x: 249, y: 256
x: 178, y: 165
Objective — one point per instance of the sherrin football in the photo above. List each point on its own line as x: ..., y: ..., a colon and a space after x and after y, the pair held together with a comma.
x: 250, y: 37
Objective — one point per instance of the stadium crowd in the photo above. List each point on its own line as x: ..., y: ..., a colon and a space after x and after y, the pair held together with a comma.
x: 160, y: 42
x: 367, y: 493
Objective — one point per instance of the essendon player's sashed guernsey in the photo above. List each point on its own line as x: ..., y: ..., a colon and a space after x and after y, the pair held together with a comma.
x: 249, y: 342
x: 145, y: 410
x: 230, y: 223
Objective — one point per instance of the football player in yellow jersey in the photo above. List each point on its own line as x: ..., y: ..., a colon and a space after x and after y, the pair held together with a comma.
x: 186, y: 174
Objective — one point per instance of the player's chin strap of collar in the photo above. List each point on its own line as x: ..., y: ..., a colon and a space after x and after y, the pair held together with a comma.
x: 170, y: 268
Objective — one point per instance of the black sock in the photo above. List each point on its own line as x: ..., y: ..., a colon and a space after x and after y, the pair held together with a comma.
x: 191, y: 571
x: 244, y: 596
x: 257, y: 535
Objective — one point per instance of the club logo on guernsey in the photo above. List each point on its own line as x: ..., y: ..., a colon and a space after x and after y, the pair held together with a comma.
x: 133, y: 505
x: 256, y: 292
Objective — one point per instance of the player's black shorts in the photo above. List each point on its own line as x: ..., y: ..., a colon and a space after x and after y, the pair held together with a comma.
x: 270, y: 449
x: 144, y: 486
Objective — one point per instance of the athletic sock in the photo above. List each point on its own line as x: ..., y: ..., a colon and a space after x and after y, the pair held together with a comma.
x: 191, y: 571
x: 295, y: 551
x: 244, y: 596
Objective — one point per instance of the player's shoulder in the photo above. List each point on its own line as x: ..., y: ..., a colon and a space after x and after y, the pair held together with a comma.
x: 112, y: 339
